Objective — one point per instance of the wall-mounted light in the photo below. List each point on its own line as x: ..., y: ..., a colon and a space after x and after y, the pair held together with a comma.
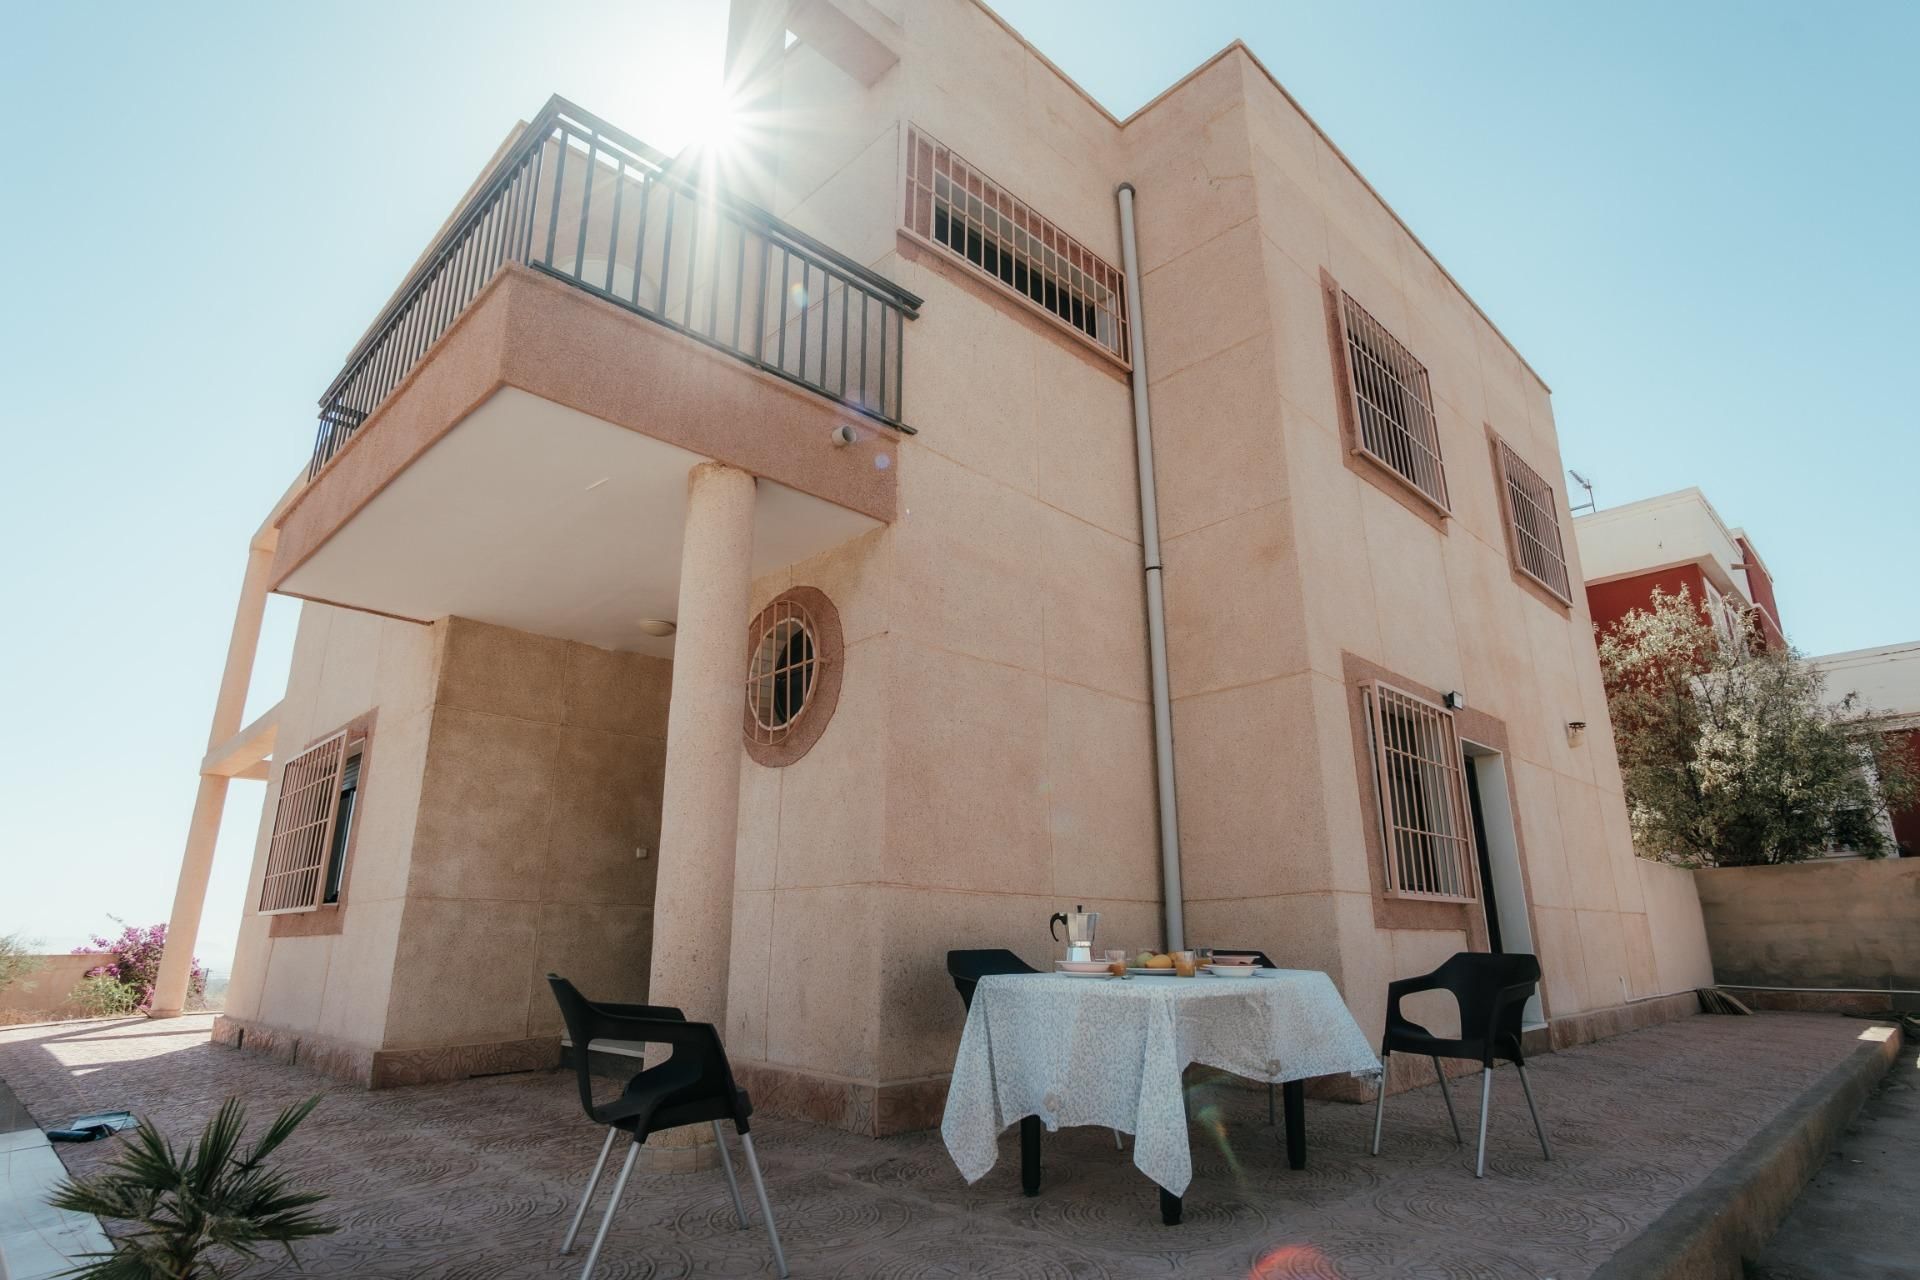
x: 1576, y: 730
x: 658, y: 627
x: 1456, y: 700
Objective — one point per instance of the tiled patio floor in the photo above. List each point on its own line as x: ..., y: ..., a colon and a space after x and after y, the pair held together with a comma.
x: 477, y: 1180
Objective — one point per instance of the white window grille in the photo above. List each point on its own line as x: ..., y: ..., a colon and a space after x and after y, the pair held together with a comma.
x: 1391, y: 400
x: 1533, y: 524
x: 303, y: 827
x: 780, y: 677
x: 1425, y: 819
x: 954, y: 207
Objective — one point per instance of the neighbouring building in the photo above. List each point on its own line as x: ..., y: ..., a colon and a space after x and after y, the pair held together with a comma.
x: 1678, y: 541
x: 1673, y: 542
x: 1885, y: 682
x: 728, y: 583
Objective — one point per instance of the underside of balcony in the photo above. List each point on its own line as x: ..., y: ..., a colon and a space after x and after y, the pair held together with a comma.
x: 531, y: 471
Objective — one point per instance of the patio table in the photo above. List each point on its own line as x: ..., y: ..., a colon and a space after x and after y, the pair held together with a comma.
x: 1057, y: 1050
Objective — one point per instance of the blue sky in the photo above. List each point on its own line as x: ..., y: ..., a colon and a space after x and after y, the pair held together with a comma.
x: 1695, y: 220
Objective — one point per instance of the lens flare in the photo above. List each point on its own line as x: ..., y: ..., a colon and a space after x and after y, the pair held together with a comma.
x: 1288, y: 1261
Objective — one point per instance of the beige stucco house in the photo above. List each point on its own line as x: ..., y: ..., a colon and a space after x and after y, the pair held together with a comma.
x: 728, y: 582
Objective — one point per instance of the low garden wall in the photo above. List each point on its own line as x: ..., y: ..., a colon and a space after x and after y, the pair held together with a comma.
x: 1681, y: 958
x: 41, y: 996
x: 1830, y: 924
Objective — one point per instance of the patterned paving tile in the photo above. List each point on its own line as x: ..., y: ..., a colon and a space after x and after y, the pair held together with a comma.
x: 476, y: 1181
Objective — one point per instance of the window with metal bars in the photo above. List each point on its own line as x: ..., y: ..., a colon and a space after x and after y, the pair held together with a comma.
x: 781, y: 676
x: 957, y: 209
x: 1533, y: 524
x: 303, y: 827
x: 1424, y: 817
x: 1391, y: 400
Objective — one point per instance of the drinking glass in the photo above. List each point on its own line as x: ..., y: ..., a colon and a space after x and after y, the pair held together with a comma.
x: 1183, y: 964
x: 1117, y: 961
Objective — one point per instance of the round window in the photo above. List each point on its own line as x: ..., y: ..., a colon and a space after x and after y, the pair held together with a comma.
x: 792, y: 675
x: 782, y: 674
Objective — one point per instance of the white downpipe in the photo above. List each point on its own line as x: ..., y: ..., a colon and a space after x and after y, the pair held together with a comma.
x: 1156, y: 600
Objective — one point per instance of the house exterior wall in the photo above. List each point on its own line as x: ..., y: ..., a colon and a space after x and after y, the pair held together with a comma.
x: 1291, y: 565
x: 990, y: 759
x: 995, y: 632
x: 510, y: 780
x: 1005, y: 771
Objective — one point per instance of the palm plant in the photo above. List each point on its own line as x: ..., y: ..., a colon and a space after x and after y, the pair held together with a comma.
x: 200, y: 1213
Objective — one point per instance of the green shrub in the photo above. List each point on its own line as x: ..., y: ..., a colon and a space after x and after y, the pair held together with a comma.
x: 101, y: 995
x: 17, y: 959
x: 196, y: 1214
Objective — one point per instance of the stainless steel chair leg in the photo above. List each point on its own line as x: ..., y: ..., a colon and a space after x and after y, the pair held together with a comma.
x: 1379, y: 1106
x: 619, y: 1189
x: 1447, y: 1093
x: 766, y: 1210
x: 1538, y: 1129
x: 1117, y: 1144
x: 566, y: 1246
x: 1486, y: 1100
x: 733, y: 1183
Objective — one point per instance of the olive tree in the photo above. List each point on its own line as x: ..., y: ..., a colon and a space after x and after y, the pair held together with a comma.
x: 1734, y: 755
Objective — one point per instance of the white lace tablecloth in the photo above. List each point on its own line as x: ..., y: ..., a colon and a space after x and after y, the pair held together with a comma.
x: 1110, y: 1052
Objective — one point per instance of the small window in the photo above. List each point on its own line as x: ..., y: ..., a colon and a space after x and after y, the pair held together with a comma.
x: 1423, y: 809
x: 1533, y: 524
x: 303, y: 827
x: 794, y: 659
x: 954, y: 207
x: 1391, y: 402
x: 782, y: 672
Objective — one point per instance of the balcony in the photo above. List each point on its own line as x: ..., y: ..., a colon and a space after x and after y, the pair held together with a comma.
x: 584, y: 202
x: 510, y: 440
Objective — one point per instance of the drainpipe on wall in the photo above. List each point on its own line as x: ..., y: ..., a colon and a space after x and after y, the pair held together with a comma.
x: 1156, y: 601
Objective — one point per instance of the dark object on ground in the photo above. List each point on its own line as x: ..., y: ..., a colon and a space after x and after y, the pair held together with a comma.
x: 1714, y: 1000
x: 91, y: 1128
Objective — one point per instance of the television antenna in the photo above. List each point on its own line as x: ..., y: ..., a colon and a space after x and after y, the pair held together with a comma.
x: 1586, y: 484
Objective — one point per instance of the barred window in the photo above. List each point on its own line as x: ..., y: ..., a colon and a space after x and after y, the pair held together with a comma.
x: 303, y: 827
x: 1424, y: 818
x: 954, y: 207
x: 781, y: 676
x: 1391, y: 402
x: 1533, y: 524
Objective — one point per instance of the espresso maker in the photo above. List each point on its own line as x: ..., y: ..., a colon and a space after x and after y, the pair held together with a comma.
x: 1080, y: 926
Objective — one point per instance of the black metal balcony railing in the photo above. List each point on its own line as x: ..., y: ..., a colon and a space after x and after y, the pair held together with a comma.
x: 587, y: 203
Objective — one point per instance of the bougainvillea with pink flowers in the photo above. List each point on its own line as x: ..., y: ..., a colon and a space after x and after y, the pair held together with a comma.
x: 134, y: 961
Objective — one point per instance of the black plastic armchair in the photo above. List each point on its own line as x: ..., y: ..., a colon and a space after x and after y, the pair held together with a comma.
x: 1492, y: 992
x: 695, y: 1085
x: 966, y: 968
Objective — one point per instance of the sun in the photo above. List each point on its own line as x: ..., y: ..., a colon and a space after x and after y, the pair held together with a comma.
x: 713, y: 121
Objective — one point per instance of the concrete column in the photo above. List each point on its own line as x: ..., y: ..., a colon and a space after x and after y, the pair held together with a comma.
x: 700, y: 803
x: 190, y: 894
